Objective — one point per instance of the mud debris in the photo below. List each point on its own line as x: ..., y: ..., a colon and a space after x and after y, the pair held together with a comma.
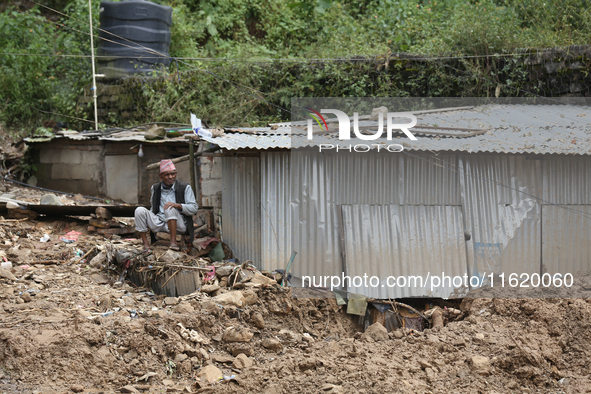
x: 72, y: 326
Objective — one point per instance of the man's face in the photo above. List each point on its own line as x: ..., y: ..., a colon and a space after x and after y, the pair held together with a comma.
x: 168, y: 177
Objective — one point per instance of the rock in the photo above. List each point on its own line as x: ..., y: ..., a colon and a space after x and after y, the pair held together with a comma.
x: 437, y: 318
x: 433, y: 338
x: 257, y: 320
x: 26, y: 297
x: 233, y: 334
x: 129, y: 389
x: 50, y: 199
x: 203, y: 353
x: 376, y: 332
x: 19, y: 300
x: 183, y: 307
x: 77, y: 388
x: 307, y: 337
x: 209, y: 288
x: 282, y: 308
x: 307, y: 364
x: 479, y: 337
x: 224, y: 270
x: 481, y: 364
x: 103, y: 279
x: 231, y: 298
x: 210, y: 374
x: 290, y: 335
x: 218, y: 292
x: 168, y: 382
x: 180, y: 358
x: 242, y: 349
x: 159, y: 313
x: 171, y: 300
x: 430, y: 374
x: 191, y: 351
x: 375, y: 113
x: 332, y: 388
x: 260, y: 279
x: 155, y: 132
x: 221, y: 358
x: 272, y: 344
x: 170, y: 256
x: 250, y: 297
x: 7, y: 275
x: 242, y: 362
x: 425, y: 364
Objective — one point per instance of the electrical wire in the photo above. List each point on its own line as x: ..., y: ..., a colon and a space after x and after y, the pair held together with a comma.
x: 48, y: 112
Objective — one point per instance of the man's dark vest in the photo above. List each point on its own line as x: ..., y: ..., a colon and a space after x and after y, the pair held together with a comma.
x: 179, y: 194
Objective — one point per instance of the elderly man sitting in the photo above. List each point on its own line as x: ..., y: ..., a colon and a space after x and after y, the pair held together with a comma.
x: 172, y: 210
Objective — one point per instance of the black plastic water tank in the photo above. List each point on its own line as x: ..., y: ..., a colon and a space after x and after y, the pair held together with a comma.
x: 135, y: 38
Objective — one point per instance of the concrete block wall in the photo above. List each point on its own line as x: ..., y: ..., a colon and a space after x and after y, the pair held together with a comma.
x: 71, y: 167
x: 211, y: 181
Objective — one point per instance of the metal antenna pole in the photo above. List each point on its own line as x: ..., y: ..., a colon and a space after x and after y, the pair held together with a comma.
x: 92, y: 60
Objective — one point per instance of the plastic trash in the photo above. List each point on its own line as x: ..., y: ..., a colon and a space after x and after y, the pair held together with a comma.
x: 197, y: 129
x: 45, y: 238
x: 12, y: 205
x: 72, y: 235
x: 195, y: 123
x: 6, y: 265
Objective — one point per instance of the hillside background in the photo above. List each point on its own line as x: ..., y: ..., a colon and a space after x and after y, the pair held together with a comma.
x: 240, y: 62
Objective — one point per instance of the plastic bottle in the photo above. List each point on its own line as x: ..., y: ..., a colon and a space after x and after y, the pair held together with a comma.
x: 197, y: 129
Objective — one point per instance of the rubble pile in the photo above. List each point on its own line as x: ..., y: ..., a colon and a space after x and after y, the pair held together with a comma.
x: 74, y: 317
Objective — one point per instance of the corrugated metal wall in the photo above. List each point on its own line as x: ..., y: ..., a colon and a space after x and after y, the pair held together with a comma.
x: 498, y: 200
x: 566, y: 239
x: 241, y: 207
x: 502, y: 215
x: 404, y: 240
x: 320, y: 183
x: 274, y: 208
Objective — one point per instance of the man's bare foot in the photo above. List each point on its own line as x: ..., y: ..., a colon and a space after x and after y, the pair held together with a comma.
x: 146, y: 249
x: 174, y: 247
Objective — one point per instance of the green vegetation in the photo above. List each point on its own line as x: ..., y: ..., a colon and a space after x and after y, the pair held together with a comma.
x: 288, y: 37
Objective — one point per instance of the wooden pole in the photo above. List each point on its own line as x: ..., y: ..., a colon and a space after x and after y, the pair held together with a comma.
x: 192, y: 166
x: 153, y: 166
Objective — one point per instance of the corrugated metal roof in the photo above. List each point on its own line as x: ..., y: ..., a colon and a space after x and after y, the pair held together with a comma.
x: 235, y: 141
x: 537, y: 129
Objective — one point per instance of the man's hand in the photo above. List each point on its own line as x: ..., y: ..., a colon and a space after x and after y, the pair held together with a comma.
x: 172, y: 205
